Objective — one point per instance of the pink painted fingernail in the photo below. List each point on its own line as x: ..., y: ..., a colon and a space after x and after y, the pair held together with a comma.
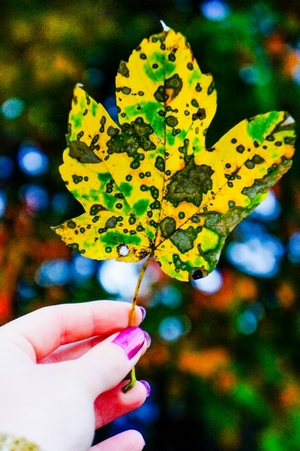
x: 143, y: 310
x: 131, y: 340
x: 147, y: 387
x: 148, y: 338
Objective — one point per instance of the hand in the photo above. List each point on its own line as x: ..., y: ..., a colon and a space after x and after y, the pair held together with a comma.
x: 62, y: 371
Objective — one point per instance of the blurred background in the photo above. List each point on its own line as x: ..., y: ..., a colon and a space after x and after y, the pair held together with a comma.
x: 224, y: 364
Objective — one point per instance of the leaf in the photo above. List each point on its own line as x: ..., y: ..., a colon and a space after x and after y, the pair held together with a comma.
x: 148, y: 185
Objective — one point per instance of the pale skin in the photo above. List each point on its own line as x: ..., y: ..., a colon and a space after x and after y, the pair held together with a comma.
x: 61, y: 376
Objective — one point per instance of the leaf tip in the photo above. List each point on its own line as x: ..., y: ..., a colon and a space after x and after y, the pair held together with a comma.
x: 165, y: 27
x: 288, y: 121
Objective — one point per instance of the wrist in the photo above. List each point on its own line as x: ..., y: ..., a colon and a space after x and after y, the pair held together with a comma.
x: 11, y: 443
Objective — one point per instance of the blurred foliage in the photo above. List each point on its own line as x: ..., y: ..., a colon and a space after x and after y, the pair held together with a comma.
x: 224, y: 364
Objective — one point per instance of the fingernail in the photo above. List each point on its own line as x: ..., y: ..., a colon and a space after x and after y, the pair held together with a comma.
x: 143, y: 310
x: 147, y: 387
x: 131, y: 340
x: 148, y: 338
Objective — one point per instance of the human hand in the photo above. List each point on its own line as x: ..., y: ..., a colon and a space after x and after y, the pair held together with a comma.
x: 62, y: 371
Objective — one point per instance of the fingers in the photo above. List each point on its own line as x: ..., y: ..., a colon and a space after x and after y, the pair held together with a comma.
x: 72, y: 351
x: 126, y: 441
x: 50, y: 327
x: 114, y: 403
x: 107, y: 364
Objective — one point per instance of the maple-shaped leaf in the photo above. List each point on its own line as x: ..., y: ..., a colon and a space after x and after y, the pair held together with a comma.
x: 148, y: 185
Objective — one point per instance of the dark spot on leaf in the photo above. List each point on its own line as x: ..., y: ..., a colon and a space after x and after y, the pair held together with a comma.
x: 102, y: 122
x: 270, y: 138
x: 160, y: 163
x: 160, y: 94
x: 111, y: 222
x: 211, y: 88
x: 289, y: 140
x: 197, y: 274
x: 111, y: 131
x: 77, y: 178
x: 81, y: 152
x: 167, y: 226
x: 256, y: 159
x: 173, y: 86
x: 201, y: 114
x: 96, y: 208
x: 184, y: 239
x: 190, y: 184
x: 123, y: 69
x: 171, y: 121
x: 71, y: 224
x: 240, y: 148
x: 74, y: 246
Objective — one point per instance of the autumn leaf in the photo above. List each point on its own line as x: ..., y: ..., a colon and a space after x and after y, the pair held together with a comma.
x: 148, y: 185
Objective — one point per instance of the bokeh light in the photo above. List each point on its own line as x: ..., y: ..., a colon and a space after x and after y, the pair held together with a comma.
x: 82, y: 267
x: 32, y: 160
x: 12, y: 108
x: 119, y: 279
x: 294, y: 247
x: 3, y: 202
x: 215, y: 10
x: 26, y: 290
x: 257, y: 256
x: 269, y: 209
x: 209, y: 284
x: 256, y: 252
x: 35, y: 196
x: 53, y: 272
x: 246, y: 323
x: 111, y: 107
x: 173, y: 327
x: 170, y: 296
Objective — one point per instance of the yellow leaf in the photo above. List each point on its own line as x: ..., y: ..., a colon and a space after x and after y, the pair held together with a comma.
x: 148, y: 185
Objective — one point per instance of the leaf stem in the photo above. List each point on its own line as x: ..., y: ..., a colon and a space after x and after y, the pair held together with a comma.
x: 132, y: 381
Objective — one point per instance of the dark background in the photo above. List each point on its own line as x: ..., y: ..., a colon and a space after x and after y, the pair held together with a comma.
x: 224, y: 363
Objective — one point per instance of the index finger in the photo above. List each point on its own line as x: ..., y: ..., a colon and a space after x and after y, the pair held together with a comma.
x: 50, y: 327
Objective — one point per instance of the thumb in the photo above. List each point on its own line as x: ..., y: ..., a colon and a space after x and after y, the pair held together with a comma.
x: 107, y: 363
